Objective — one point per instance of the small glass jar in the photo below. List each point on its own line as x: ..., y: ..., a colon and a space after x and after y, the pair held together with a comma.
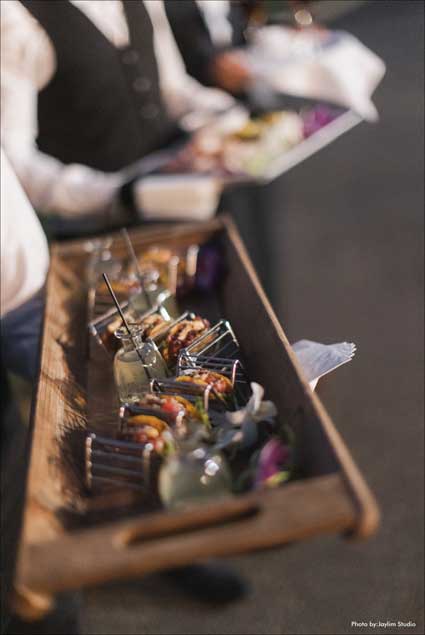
x: 155, y: 294
x: 193, y: 476
x: 143, y: 300
x: 101, y: 260
x: 104, y: 262
x: 135, y: 364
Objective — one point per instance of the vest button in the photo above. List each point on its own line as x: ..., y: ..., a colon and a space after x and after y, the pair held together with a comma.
x: 130, y: 57
x: 142, y: 84
x: 150, y: 111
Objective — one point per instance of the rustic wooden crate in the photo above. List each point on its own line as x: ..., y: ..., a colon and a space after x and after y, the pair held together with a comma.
x: 61, y: 547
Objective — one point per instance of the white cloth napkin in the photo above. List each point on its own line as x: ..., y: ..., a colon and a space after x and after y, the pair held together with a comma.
x: 329, y: 65
x: 318, y: 359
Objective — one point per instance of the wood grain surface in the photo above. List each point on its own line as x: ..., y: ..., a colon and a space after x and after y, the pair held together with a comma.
x: 62, y: 549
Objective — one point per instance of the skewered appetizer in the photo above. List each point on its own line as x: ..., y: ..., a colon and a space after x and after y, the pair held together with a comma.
x: 182, y: 335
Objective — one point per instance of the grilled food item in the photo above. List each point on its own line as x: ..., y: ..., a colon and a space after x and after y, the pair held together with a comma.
x: 106, y: 329
x: 107, y: 336
x: 158, y: 419
x: 159, y: 264
x: 157, y: 255
x: 152, y: 325
x: 221, y: 384
x: 145, y: 423
x: 171, y: 406
x: 145, y: 428
x: 169, y: 409
x: 146, y: 434
x: 121, y: 287
x: 182, y: 335
x: 148, y: 420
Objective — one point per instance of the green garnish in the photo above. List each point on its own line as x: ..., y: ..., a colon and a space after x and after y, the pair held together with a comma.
x: 278, y: 479
x: 203, y: 415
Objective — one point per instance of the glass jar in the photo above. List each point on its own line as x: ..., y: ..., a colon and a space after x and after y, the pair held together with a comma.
x: 155, y: 294
x: 135, y: 364
x: 145, y: 298
x: 194, y: 476
x: 103, y: 260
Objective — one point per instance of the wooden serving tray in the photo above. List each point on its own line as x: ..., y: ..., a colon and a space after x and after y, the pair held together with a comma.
x: 62, y: 548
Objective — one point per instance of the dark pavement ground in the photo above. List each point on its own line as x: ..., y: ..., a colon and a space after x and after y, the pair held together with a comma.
x: 344, y: 233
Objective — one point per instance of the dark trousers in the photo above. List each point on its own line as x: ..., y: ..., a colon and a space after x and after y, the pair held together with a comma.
x: 20, y: 334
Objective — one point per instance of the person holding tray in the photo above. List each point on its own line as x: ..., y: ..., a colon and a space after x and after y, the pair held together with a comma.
x: 207, y: 34
x: 75, y: 117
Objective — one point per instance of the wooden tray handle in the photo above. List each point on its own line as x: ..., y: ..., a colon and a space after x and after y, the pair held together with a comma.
x: 162, y: 541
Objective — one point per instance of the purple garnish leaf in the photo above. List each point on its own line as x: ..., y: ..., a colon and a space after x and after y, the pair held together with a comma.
x: 275, y: 458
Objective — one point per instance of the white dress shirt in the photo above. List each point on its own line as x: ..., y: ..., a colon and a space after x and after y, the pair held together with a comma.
x: 28, y: 63
x: 216, y: 15
x: 24, y: 251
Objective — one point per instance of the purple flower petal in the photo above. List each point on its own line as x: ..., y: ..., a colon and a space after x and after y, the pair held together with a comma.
x: 273, y: 458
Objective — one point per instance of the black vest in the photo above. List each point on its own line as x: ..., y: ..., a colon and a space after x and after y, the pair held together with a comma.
x: 103, y: 106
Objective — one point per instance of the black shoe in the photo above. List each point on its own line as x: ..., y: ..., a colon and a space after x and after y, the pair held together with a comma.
x: 215, y: 583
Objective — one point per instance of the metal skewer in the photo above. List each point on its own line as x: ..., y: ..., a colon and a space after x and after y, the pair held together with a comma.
x: 120, y: 311
x: 139, y: 273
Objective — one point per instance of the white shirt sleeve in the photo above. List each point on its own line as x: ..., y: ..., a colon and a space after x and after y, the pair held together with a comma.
x: 181, y: 92
x: 216, y: 15
x: 24, y: 251
x: 27, y: 65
